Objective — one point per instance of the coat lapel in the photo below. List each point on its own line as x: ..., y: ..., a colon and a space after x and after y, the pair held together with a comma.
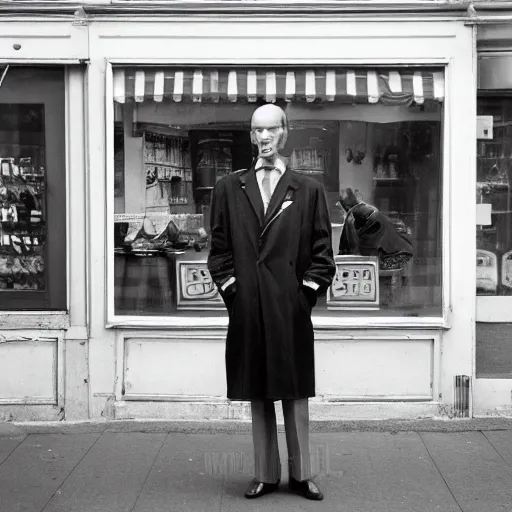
x: 250, y: 186
x: 288, y: 181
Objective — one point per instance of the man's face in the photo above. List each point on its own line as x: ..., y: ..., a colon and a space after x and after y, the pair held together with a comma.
x: 268, y: 131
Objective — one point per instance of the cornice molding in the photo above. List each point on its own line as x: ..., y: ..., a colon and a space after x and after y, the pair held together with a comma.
x: 235, y: 7
x: 470, y: 11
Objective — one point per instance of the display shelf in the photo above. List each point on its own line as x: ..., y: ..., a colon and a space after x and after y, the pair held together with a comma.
x: 305, y: 170
x: 493, y: 184
x: 493, y: 158
x: 387, y: 180
x: 167, y: 164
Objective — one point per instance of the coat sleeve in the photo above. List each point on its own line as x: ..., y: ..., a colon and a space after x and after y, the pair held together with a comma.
x: 220, y: 257
x: 322, y: 268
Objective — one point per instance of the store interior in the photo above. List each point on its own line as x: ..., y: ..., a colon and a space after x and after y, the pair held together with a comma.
x: 168, y: 157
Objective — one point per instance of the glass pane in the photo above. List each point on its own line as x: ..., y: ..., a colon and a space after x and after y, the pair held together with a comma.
x: 22, y: 197
x: 32, y: 188
x: 493, y: 197
x: 379, y: 164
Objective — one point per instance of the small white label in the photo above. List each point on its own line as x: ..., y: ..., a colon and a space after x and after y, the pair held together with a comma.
x: 483, y: 214
x: 484, y: 127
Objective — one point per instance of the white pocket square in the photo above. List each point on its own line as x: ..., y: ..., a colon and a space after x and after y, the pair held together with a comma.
x: 286, y: 204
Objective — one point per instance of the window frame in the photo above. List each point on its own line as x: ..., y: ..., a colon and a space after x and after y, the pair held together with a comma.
x: 319, y: 322
x: 54, y: 299
x: 494, y: 308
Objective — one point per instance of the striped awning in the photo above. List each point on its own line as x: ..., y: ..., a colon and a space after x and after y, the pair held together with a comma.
x: 404, y: 86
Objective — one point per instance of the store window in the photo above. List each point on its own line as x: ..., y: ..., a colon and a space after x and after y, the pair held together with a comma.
x: 494, y: 197
x: 372, y: 137
x: 32, y: 189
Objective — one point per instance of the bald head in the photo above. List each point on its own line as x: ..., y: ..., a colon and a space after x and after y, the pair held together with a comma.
x: 268, y: 115
x: 269, y: 130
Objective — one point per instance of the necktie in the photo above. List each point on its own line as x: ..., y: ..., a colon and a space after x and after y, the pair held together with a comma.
x: 265, y: 184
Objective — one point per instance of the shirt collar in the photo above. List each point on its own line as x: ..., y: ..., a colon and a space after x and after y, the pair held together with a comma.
x: 278, y: 164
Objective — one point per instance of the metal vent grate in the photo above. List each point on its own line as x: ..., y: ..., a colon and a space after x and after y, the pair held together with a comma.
x: 462, y: 396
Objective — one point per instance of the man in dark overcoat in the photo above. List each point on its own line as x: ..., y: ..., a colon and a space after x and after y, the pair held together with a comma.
x: 270, y: 257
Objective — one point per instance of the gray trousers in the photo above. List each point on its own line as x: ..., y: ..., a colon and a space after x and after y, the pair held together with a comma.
x: 264, y: 434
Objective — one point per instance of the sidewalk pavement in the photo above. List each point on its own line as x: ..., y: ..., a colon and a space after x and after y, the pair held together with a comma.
x: 421, y: 466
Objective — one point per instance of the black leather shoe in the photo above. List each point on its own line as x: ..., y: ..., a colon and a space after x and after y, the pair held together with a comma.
x: 257, y: 489
x: 306, y: 488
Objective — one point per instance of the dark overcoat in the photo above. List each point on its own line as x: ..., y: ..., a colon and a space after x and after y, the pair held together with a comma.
x: 270, y: 341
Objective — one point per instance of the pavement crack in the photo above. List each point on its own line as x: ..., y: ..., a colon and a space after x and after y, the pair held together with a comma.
x: 495, y: 449
x: 13, y: 449
x: 71, y: 472
x: 149, y: 472
x: 440, y: 474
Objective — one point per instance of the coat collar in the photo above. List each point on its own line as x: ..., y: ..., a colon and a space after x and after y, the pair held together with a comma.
x: 250, y: 186
x: 279, y: 164
x: 288, y: 183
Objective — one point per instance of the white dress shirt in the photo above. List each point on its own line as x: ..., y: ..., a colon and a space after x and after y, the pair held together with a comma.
x: 275, y: 176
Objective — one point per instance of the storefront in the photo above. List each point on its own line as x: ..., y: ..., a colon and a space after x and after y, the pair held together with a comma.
x: 43, y: 326
x: 494, y: 217
x: 381, y: 124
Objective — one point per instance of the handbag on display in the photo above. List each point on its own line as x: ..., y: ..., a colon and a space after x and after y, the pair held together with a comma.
x: 368, y: 232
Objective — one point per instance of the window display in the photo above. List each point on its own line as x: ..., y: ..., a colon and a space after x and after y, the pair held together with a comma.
x: 31, y: 101
x: 371, y: 137
x: 22, y: 231
x: 494, y: 199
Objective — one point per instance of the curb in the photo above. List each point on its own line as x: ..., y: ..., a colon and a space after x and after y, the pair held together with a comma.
x: 244, y: 427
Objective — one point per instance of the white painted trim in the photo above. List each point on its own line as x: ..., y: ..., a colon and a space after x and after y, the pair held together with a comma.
x: 446, y: 250
x: 119, y: 365
x: 60, y: 361
x: 494, y: 309
x: 198, y: 322
x: 321, y: 61
x: 30, y: 62
x: 28, y: 313
x: 347, y: 14
x: 34, y: 320
x: 492, y: 397
x: 35, y: 335
x: 474, y: 37
x: 67, y: 143
x: 240, y: 411
x: 280, y: 17
x: 122, y: 337
x: 436, y: 367
x: 109, y: 189
x: 132, y: 397
x: 334, y: 335
x: 114, y: 321
x: 76, y: 198
x: 29, y: 401
x: 87, y: 203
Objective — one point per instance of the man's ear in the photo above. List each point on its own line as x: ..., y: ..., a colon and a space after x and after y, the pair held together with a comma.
x: 284, y: 137
x: 253, y: 139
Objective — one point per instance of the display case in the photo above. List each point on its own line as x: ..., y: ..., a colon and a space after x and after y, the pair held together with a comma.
x: 22, y: 198
x: 494, y: 179
x: 168, y: 170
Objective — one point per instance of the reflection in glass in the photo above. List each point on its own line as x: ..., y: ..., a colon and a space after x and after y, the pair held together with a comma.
x: 379, y: 164
x: 494, y: 179
x: 22, y: 197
